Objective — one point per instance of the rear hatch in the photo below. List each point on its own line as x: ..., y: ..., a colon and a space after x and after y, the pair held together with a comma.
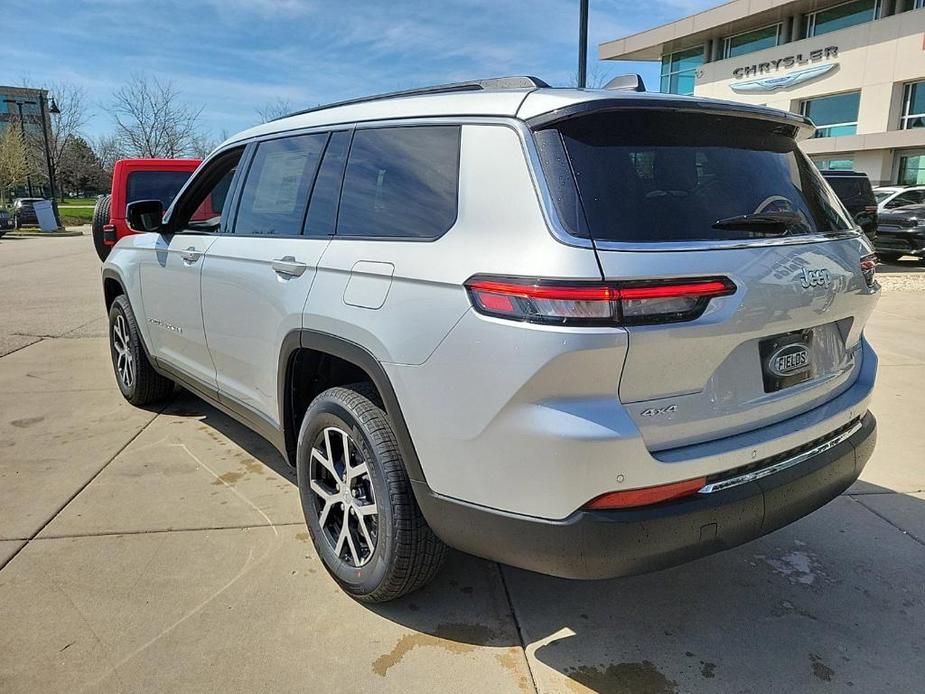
x: 668, y: 195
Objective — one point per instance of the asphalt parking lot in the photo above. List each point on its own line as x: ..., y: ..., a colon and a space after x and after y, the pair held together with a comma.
x: 164, y: 550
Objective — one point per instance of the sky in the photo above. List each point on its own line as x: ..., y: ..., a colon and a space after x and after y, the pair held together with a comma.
x: 232, y: 57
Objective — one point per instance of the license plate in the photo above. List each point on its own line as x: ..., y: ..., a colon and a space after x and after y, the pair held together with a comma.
x: 786, y: 360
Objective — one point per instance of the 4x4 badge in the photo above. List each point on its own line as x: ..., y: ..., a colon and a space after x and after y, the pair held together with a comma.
x: 814, y: 278
x: 653, y: 411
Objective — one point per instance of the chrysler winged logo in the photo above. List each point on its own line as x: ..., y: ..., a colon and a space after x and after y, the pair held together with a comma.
x: 810, y: 278
x: 771, y: 84
x: 789, y: 360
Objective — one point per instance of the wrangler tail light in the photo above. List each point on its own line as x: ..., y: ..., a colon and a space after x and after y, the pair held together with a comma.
x: 647, y: 495
x: 595, y: 303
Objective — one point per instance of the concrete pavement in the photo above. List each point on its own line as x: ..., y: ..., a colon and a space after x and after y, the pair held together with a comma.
x: 164, y: 550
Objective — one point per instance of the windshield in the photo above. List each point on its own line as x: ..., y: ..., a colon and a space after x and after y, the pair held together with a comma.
x: 155, y: 185
x: 649, y: 176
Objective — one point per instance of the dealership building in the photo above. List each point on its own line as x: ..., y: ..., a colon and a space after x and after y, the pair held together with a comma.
x: 857, y: 69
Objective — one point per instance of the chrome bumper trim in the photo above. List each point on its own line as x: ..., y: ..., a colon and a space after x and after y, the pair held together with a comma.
x: 783, y: 465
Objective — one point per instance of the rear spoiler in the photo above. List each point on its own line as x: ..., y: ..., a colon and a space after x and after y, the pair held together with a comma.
x: 802, y: 126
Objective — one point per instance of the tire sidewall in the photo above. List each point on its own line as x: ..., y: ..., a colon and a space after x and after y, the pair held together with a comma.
x: 100, y: 219
x: 327, y: 412
x: 119, y: 309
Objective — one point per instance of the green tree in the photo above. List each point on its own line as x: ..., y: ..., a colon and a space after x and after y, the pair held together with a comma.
x: 79, y: 169
x: 14, y: 159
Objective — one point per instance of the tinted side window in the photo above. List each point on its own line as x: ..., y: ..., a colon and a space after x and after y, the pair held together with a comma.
x: 322, y: 210
x: 155, y: 185
x: 401, y: 182
x: 278, y: 183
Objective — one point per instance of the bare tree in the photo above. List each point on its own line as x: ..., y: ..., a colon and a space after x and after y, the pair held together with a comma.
x: 274, y: 109
x: 108, y: 151
x: 152, y: 121
x: 14, y: 161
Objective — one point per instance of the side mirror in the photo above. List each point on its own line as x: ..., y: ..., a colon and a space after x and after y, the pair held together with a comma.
x: 145, y: 215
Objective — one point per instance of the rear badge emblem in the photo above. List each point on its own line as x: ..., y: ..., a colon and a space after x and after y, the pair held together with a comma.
x: 789, y: 360
x: 654, y: 411
x: 814, y: 278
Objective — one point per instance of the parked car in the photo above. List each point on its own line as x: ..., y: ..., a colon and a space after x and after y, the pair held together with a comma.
x: 136, y: 179
x: 23, y: 212
x: 586, y: 333
x: 5, y: 222
x: 855, y: 192
x: 901, y: 232
x: 891, y: 197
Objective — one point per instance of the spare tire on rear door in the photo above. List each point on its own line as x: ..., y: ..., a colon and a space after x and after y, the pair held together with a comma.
x: 100, y: 219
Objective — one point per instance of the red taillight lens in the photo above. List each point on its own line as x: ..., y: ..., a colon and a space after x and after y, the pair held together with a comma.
x: 647, y: 495
x: 869, y: 268
x: 580, y: 303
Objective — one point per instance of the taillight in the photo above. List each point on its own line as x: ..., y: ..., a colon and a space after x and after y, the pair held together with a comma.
x: 869, y: 268
x: 647, y: 495
x: 595, y: 303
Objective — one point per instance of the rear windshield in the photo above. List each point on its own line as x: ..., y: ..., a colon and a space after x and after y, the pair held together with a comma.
x: 155, y: 185
x: 650, y: 176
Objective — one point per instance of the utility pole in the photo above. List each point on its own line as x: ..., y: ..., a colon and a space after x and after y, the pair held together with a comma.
x: 583, y: 44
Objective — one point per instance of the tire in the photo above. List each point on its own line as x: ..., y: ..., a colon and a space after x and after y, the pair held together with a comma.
x: 404, y: 553
x: 889, y: 257
x: 139, y: 382
x: 100, y: 219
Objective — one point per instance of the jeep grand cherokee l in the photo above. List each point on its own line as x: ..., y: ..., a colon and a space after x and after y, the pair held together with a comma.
x: 586, y: 333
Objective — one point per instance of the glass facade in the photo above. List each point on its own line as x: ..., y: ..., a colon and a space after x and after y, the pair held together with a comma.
x: 679, y: 70
x: 840, y: 16
x: 911, y: 169
x: 913, y: 106
x: 839, y: 163
x: 766, y: 37
x: 833, y: 115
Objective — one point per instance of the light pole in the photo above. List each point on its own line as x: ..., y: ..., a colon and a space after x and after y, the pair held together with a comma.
x: 583, y: 44
x: 22, y: 130
x: 53, y: 109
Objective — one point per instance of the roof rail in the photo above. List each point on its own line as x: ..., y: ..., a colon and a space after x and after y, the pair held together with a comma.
x: 519, y: 82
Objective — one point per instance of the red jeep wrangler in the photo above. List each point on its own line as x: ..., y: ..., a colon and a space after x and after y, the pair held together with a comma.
x: 136, y: 179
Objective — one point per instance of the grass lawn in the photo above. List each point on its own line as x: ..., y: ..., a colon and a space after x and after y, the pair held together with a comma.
x: 77, y: 201
x: 75, y: 216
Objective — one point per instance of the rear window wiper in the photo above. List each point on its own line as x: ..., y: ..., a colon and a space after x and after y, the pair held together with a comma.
x: 779, y: 223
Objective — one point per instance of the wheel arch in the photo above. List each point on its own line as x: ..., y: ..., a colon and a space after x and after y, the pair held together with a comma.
x: 306, y: 349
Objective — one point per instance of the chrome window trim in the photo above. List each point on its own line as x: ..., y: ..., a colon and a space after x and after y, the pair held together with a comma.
x: 783, y: 465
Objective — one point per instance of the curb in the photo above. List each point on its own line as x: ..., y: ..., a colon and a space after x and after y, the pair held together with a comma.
x: 41, y: 234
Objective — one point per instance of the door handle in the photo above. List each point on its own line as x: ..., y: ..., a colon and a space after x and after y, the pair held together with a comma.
x: 191, y: 255
x: 288, y: 266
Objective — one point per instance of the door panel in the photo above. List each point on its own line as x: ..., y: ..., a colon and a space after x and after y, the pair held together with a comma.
x: 250, y: 306
x: 170, y: 276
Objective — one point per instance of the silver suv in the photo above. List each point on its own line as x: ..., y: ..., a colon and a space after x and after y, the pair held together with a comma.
x: 586, y: 333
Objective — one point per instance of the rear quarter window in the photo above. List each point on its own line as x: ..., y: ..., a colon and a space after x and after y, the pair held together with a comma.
x: 401, y: 182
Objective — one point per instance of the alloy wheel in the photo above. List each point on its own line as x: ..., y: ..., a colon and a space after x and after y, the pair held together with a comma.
x: 121, y: 342
x: 345, y: 504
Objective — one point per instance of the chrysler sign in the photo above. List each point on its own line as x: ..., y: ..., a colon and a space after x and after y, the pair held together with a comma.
x: 768, y: 73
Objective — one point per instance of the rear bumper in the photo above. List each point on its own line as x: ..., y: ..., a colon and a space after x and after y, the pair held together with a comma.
x: 605, y: 544
x: 907, y: 242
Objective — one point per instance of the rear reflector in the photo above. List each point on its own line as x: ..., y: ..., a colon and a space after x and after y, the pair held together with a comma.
x: 647, y: 495
x: 591, y: 303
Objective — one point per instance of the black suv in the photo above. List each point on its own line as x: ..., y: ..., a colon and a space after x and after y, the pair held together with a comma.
x: 854, y: 190
x: 24, y: 212
x: 901, y: 232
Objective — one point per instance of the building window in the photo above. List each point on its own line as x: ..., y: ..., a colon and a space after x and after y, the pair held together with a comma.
x: 750, y: 41
x: 913, y: 106
x: 911, y: 169
x: 842, y: 163
x: 679, y: 69
x: 840, y: 17
x: 833, y: 115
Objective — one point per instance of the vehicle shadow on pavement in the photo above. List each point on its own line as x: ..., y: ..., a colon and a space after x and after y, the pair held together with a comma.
x: 832, y: 602
x: 907, y: 264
